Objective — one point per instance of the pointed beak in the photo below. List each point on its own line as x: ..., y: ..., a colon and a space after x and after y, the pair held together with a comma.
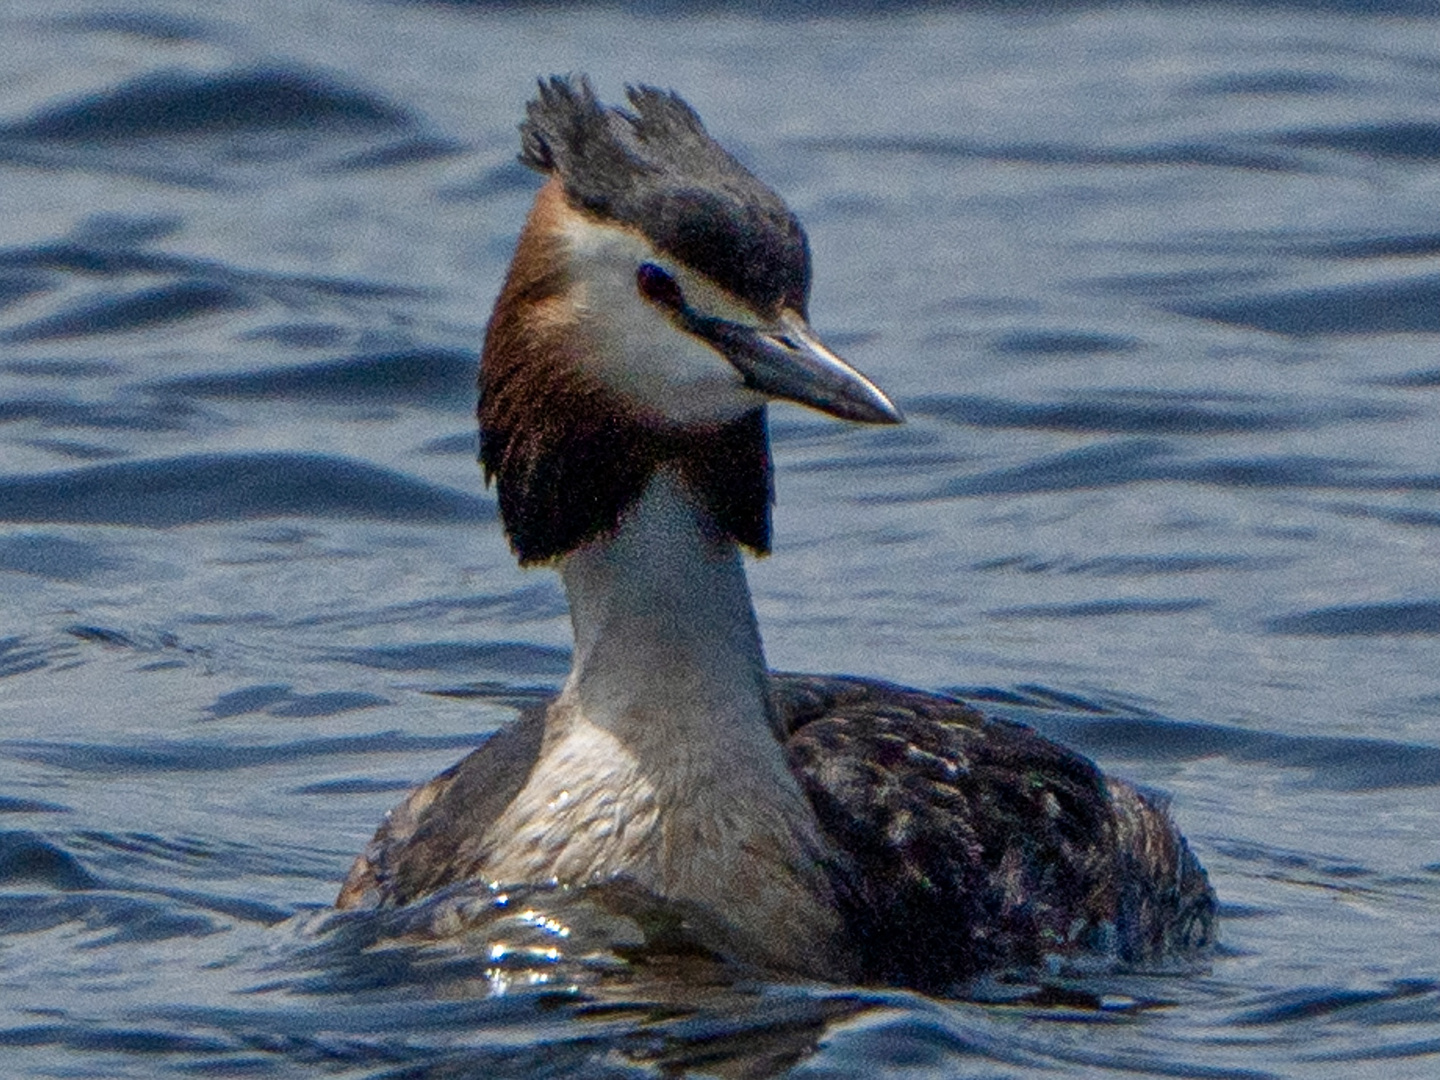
x: 785, y: 360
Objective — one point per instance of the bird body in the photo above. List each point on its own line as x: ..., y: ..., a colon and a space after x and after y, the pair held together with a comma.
x: 838, y: 828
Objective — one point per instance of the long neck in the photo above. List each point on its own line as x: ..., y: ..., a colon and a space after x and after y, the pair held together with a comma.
x: 666, y: 644
x: 660, y: 764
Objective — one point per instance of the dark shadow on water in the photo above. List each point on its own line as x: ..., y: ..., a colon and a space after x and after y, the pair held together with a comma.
x: 113, y: 414
x: 1130, y: 566
x: 149, y: 25
x: 325, y: 703
x: 786, y: 10
x: 1410, y: 305
x: 507, y: 178
x: 1401, y: 617
x: 1134, y: 461
x: 1144, y: 413
x: 300, y: 335
x: 1103, y: 465
x: 17, y: 286
x: 19, y: 655
x: 87, y: 258
x: 1273, y: 82
x: 1417, y: 245
x: 249, y: 699
x: 57, y: 558
x: 198, y: 756
x: 408, y: 151
x: 1155, y: 284
x: 467, y: 443
x: 76, y: 451
x: 26, y: 858
x: 107, y: 261
x: 439, y: 378
x: 1425, y: 379
x: 1309, y: 1003
x: 1415, y: 141
x: 62, y: 369
x: 509, y: 657
x: 1333, y: 763
x: 142, y: 310
x: 217, y: 130
x: 1396, y: 515
x: 232, y: 487
x: 1239, y: 153
x: 11, y: 805
x: 111, y: 911
x: 359, y: 785
x: 540, y: 600
x: 1095, y: 609
x: 1061, y: 343
x: 170, y: 104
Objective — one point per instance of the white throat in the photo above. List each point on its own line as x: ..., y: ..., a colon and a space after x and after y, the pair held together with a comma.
x: 660, y: 765
x: 665, y: 631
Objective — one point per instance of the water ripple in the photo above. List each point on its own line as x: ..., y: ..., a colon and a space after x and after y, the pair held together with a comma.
x: 1334, y: 763
x: 112, y: 415
x: 510, y: 657
x: 1129, y: 565
x: 443, y: 378
x: 206, y: 756
x: 27, y: 858
x: 1308, y: 1003
x: 83, y: 1036
x: 1061, y: 343
x: 170, y: 104
x: 1274, y: 82
x: 1405, y: 617
x: 1402, y: 140
x: 57, y: 558
x: 1406, y: 305
x: 1235, y: 153
x: 151, y: 25
x: 11, y: 805
x: 1147, y: 413
x: 19, y: 655
x: 141, y: 310
x: 232, y: 487
x: 216, y: 130
x: 1133, y: 461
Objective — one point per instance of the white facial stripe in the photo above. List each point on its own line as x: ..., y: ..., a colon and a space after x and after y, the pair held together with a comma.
x: 590, y: 240
x: 707, y: 298
x: 637, y: 348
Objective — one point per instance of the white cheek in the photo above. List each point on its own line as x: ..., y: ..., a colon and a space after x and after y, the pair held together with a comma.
x: 662, y: 369
x: 637, y: 349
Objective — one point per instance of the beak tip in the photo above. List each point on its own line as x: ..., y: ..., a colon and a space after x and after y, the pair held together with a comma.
x: 876, y: 408
x: 893, y: 416
x: 787, y: 363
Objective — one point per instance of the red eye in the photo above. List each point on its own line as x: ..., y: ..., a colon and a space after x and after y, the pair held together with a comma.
x: 659, y: 287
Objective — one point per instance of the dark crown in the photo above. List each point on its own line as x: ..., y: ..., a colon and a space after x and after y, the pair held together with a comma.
x: 657, y: 170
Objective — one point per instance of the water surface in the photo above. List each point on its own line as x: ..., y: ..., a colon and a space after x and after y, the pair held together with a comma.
x: 1158, y: 289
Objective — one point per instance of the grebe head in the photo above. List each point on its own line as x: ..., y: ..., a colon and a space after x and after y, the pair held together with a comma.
x: 655, y: 303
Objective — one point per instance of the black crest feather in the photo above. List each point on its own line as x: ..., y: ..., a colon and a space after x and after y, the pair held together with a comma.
x: 655, y: 168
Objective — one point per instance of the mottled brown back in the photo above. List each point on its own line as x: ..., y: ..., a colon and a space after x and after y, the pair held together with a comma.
x: 977, y: 844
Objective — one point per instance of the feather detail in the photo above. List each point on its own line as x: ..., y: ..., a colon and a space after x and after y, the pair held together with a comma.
x: 964, y: 843
x: 657, y: 170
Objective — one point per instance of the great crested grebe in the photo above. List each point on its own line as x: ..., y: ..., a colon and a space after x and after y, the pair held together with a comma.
x: 829, y: 826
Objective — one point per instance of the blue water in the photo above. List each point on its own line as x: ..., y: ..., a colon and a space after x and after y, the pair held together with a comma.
x: 1158, y: 287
